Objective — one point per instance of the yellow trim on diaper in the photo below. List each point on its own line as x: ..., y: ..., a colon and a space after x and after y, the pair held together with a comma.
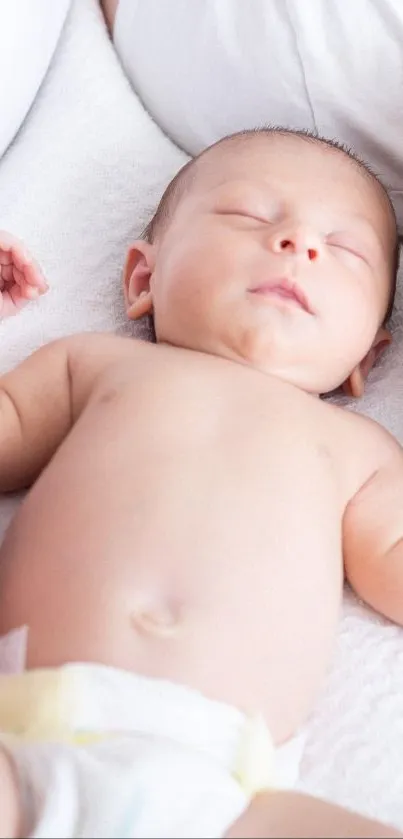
x: 41, y: 705
x: 255, y: 763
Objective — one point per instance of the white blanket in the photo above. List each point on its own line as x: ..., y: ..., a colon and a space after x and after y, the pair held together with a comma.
x: 77, y: 185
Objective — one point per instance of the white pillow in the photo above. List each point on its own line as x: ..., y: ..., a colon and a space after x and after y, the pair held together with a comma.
x: 205, y: 68
x: 29, y: 34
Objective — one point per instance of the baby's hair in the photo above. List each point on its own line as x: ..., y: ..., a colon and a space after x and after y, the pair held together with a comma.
x: 169, y: 200
x: 180, y: 183
x: 394, y: 271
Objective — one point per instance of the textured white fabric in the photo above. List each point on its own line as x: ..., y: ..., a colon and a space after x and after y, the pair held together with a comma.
x: 129, y: 786
x: 77, y: 185
x: 206, y: 68
x: 29, y: 33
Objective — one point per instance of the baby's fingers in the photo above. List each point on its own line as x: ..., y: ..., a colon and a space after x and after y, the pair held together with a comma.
x: 30, y: 292
x: 28, y: 266
x: 7, y: 273
x: 24, y: 289
x: 11, y: 302
x: 29, y: 269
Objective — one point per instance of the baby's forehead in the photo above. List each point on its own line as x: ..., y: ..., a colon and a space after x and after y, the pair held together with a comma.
x: 289, y: 157
x: 297, y: 165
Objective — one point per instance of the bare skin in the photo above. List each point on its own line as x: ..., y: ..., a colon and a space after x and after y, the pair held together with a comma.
x: 240, y: 592
x: 291, y: 815
x: 109, y: 8
x: 191, y: 507
x: 21, y: 279
x: 10, y: 805
x: 161, y: 612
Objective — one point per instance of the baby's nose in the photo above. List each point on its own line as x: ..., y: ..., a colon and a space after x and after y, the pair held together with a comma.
x: 298, y: 240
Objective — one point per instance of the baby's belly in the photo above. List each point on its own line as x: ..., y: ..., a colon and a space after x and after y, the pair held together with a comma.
x: 246, y: 613
x: 257, y: 640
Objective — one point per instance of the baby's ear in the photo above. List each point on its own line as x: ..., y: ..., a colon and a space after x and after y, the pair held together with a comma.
x: 355, y: 384
x: 137, y: 272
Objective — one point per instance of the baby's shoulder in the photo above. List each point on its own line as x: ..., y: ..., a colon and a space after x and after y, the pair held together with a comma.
x: 354, y: 424
x: 98, y: 350
x: 93, y: 356
x: 361, y: 443
x: 106, y: 342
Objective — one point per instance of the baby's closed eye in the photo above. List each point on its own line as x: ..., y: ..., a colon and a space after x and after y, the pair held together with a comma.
x: 348, y: 244
x: 245, y: 215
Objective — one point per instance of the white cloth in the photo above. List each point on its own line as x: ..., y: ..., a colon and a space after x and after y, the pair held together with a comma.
x: 138, y: 786
x: 206, y: 68
x: 163, y: 766
x: 105, y: 752
x: 29, y: 34
x: 78, y: 184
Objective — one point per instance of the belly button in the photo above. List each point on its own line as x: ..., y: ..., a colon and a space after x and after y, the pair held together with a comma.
x: 163, y: 620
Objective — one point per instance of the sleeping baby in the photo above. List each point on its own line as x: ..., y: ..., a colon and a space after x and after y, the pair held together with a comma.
x: 178, y: 562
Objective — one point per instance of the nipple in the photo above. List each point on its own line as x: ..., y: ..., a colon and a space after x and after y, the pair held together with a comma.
x: 159, y: 619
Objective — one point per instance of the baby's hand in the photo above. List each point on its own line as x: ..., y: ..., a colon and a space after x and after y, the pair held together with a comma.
x: 21, y: 279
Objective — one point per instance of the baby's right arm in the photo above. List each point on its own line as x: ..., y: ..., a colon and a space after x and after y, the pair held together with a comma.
x: 42, y: 398
x: 35, y: 414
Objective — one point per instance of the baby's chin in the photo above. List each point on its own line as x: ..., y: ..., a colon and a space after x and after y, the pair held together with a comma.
x: 305, y: 377
x: 267, y: 351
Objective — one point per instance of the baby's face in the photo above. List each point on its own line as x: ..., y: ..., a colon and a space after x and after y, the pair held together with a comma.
x: 279, y: 256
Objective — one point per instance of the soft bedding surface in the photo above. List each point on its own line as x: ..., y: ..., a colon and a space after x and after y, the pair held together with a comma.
x: 77, y: 184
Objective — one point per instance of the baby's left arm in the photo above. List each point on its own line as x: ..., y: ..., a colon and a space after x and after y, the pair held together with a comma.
x: 373, y: 531
x: 21, y: 279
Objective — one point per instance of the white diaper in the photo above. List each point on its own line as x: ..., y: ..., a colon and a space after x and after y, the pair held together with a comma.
x: 101, y: 752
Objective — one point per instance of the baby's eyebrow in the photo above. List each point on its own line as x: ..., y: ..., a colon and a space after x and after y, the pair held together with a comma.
x: 363, y: 226
x: 243, y: 185
x: 247, y: 193
x: 356, y: 224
